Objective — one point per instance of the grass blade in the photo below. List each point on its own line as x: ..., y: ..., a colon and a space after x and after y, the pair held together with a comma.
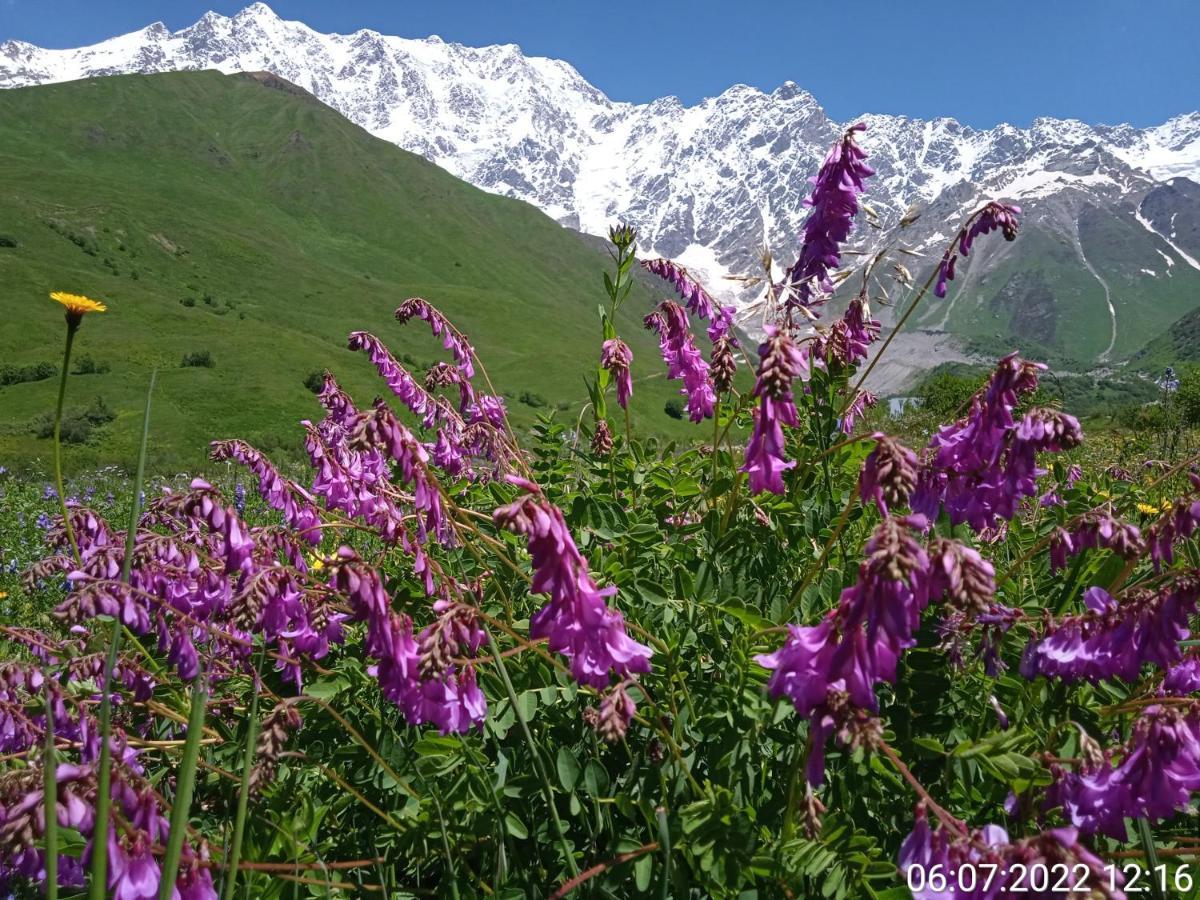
x: 239, y: 822
x: 104, y: 774
x: 186, y: 785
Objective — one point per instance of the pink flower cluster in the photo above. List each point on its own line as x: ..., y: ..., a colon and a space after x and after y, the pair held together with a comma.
x: 683, y: 359
x: 577, y: 619
x: 823, y: 668
x: 1158, y: 773
x: 1114, y: 640
x: 980, y: 468
x: 834, y: 201
x: 694, y: 296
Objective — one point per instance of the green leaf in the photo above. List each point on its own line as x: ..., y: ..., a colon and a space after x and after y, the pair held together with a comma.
x: 568, y: 769
x: 595, y: 779
x: 515, y: 826
x: 643, y: 871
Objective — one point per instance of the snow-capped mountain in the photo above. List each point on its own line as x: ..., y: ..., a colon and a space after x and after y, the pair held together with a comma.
x: 711, y: 184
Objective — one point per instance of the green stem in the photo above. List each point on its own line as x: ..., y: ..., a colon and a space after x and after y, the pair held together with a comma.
x: 1147, y: 840
x: 534, y: 753
x: 104, y: 774
x: 185, y: 787
x: 437, y: 804
x: 664, y: 838
x: 50, y: 797
x: 72, y: 326
x: 243, y: 802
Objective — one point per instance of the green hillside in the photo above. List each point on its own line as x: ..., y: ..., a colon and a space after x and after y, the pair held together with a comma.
x: 1040, y: 296
x: 238, y: 215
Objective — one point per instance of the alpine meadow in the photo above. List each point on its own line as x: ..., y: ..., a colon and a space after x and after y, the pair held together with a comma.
x: 395, y: 506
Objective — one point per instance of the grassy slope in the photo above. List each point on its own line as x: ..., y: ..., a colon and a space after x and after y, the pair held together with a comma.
x: 287, y: 227
x: 1044, y: 301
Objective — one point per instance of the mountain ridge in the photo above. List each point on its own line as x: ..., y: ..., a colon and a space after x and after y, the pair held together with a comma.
x: 713, y: 183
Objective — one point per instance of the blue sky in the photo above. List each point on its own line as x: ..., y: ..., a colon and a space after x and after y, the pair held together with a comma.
x: 1008, y: 60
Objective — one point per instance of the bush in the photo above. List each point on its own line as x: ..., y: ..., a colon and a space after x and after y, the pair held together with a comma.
x: 85, y: 365
x: 315, y: 380
x: 22, y: 374
x: 529, y: 398
x: 674, y: 409
x: 200, y: 359
x: 946, y: 394
x: 77, y: 424
x: 7, y: 241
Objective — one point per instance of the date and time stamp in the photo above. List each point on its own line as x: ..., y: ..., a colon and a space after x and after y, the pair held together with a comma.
x: 1039, y: 880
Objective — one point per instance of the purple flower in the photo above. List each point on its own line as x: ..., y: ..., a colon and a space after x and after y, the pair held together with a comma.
x: 403, y: 385
x: 991, y: 217
x: 1184, y: 677
x: 616, y: 357
x: 961, y: 575
x: 851, y: 336
x: 827, y: 669
x: 281, y: 494
x: 415, y: 673
x: 683, y: 359
x: 980, y: 468
x: 888, y: 475
x: 1180, y: 522
x: 697, y: 299
x: 1096, y: 529
x: 452, y: 339
x: 779, y: 363
x: 1114, y: 640
x: 577, y: 620
x: 1158, y: 772
x: 863, y: 400
x: 834, y: 203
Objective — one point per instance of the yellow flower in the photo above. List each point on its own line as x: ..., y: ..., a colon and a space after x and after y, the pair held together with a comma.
x: 1147, y: 509
x: 77, y: 304
x: 315, y: 563
x: 3, y: 594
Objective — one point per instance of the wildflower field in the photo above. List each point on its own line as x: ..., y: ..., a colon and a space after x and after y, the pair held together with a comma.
x: 789, y: 656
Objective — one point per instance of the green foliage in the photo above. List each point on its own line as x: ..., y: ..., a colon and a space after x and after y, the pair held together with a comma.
x: 673, y: 408
x: 78, y: 425
x: 86, y: 365
x: 10, y: 374
x: 197, y: 359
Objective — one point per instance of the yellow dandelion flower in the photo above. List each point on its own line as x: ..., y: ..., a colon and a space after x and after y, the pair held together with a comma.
x: 315, y: 563
x: 3, y: 594
x: 1147, y: 509
x: 77, y: 304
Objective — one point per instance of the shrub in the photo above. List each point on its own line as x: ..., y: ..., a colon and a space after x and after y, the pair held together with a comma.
x: 315, y: 380
x: 7, y: 241
x: 77, y: 424
x: 85, y: 365
x: 529, y: 398
x: 197, y: 359
x: 21, y: 374
x: 673, y: 408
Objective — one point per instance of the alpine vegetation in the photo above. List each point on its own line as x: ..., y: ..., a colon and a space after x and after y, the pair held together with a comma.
x: 795, y: 657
